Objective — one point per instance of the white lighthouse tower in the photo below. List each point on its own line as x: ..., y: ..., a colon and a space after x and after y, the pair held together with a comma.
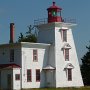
x: 62, y: 52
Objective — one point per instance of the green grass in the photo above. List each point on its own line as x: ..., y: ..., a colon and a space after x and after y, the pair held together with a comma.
x: 81, y: 88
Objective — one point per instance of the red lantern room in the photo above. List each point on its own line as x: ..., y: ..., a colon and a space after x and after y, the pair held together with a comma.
x: 54, y: 13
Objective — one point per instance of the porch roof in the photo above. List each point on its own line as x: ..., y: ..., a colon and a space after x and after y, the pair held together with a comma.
x: 49, y: 67
x: 3, y: 66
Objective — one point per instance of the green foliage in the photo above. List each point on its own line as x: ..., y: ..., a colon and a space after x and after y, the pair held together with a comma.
x: 85, y: 67
x: 31, y: 35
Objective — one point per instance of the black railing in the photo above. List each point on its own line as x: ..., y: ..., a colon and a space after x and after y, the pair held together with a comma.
x: 40, y: 21
x: 45, y: 21
x: 69, y: 20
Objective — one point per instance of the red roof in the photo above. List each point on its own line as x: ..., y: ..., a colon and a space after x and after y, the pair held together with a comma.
x: 9, y: 66
x: 54, y: 7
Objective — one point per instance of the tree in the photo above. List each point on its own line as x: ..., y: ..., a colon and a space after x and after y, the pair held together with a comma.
x: 85, y: 67
x: 31, y: 35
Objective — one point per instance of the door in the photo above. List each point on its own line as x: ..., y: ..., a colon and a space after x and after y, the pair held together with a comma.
x: 9, y: 82
x: 50, y: 78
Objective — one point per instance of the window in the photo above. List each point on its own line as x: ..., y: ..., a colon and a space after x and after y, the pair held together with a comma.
x: 37, y: 75
x: 66, y: 54
x: 12, y: 55
x: 54, y: 13
x: 69, y: 72
x: 35, y: 55
x: 17, y: 76
x: 29, y: 78
x: 64, y: 35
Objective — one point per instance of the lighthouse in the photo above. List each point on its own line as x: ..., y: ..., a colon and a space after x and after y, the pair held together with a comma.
x: 51, y: 62
x: 62, y: 52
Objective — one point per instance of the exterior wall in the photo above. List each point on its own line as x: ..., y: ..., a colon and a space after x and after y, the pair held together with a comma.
x: 28, y: 63
x: 51, y: 60
x: 50, y: 78
x: 46, y: 34
x: 4, y: 80
x: 16, y: 83
x: 5, y: 54
x: 61, y: 75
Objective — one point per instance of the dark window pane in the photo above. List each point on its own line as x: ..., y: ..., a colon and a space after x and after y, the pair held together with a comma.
x: 66, y: 54
x: 17, y: 76
x: 69, y: 74
x: 65, y: 35
x: 29, y: 78
x: 38, y: 75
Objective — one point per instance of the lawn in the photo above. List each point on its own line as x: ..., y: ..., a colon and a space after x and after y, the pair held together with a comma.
x: 82, y: 88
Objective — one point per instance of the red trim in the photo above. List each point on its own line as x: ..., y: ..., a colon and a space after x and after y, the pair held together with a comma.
x: 29, y: 75
x: 9, y: 66
x: 37, y: 75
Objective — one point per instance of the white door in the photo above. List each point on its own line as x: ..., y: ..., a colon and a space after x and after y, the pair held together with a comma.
x: 50, y: 78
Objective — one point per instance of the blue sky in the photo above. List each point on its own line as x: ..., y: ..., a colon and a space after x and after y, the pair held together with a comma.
x: 24, y: 12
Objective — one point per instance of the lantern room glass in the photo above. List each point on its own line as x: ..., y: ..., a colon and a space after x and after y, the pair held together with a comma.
x: 55, y: 13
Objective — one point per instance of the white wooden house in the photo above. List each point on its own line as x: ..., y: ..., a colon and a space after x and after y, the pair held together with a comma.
x: 52, y: 62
